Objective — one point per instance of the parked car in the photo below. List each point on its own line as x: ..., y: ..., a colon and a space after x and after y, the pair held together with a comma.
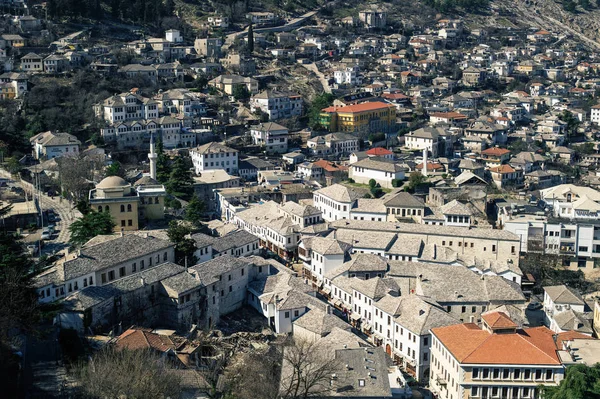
x: 52, y: 228
x: 534, y: 306
x: 51, y: 218
x: 46, y: 234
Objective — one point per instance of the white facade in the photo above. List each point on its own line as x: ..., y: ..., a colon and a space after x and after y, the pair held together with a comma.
x: 364, y: 175
x: 331, y: 209
x: 595, y: 115
x: 204, y: 158
x: 348, y: 76
x: 277, y: 104
x: 271, y: 136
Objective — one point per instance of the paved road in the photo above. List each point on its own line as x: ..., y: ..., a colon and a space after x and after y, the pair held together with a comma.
x: 313, y: 68
x: 63, y: 208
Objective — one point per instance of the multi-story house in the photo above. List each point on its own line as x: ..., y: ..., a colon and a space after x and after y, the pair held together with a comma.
x: 321, y: 255
x: 209, y: 47
x: 212, y: 156
x: 48, y: 145
x: 335, y: 202
x: 495, y: 156
x: 403, y: 326
x: 277, y: 104
x: 373, y: 18
x: 595, y: 114
x: 32, y: 62
x: 277, y: 226
x: 333, y: 144
x: 465, y: 364
x: 126, y: 107
x: 56, y: 63
x: 384, y: 171
x: 350, y: 76
x: 227, y: 83
x: 271, y: 136
x: 127, y: 204
x: 506, y: 176
x: 362, y: 118
x: 98, y: 264
x: 565, y: 310
x: 18, y: 83
x: 425, y: 138
x: 473, y: 76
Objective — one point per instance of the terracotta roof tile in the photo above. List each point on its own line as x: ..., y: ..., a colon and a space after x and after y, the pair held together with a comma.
x: 470, y: 344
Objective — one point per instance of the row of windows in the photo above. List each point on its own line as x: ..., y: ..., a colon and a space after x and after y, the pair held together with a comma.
x: 110, y: 275
x: 512, y: 374
x: 503, y: 392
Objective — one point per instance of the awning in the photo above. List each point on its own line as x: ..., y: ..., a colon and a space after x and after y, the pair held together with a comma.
x: 326, y: 290
x: 355, y: 316
x: 367, y: 327
x: 337, y: 303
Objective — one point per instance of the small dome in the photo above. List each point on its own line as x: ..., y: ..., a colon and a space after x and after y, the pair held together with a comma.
x: 146, y: 180
x: 112, y: 181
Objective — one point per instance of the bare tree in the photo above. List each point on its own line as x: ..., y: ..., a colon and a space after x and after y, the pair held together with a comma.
x: 306, y: 370
x: 75, y: 173
x: 255, y: 374
x: 113, y: 373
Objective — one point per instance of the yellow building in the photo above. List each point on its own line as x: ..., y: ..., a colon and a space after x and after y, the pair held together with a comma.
x: 371, y: 117
x: 597, y: 317
x: 115, y: 195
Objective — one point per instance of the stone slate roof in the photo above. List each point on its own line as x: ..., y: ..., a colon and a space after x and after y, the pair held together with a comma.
x: 320, y: 322
x: 402, y: 199
x: 111, y: 253
x: 181, y: 283
x: 341, y: 193
x: 235, y: 239
x: 380, y: 164
x: 209, y: 272
x: 561, y: 294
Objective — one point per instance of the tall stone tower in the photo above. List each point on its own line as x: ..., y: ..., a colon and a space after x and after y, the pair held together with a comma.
x: 152, y: 156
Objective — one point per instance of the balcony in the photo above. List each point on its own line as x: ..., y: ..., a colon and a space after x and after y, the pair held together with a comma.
x: 567, y: 250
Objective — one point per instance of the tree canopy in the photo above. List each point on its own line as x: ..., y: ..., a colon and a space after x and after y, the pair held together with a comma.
x: 580, y: 382
x: 321, y: 101
x: 195, y: 210
x: 180, y: 183
x: 90, y: 226
x: 114, y: 373
x: 184, y: 246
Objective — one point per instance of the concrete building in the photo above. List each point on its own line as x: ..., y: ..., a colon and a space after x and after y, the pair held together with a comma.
x: 272, y: 137
x: 212, y: 156
x: 48, y: 145
x: 277, y: 104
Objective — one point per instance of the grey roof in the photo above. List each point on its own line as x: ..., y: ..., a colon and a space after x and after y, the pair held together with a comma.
x: 341, y: 193
x: 94, y: 295
x: 379, y: 163
x: 369, y: 205
x: 397, y: 227
x: 235, y: 239
x: 381, y: 240
x: 419, y: 315
x: 406, y: 246
x: 326, y: 245
x: 402, y: 199
x: 320, y: 322
x: 296, y: 209
x: 373, y: 371
x: 111, y: 253
x: 367, y: 263
x: 209, y: 272
x: 457, y: 284
x: 376, y: 288
x: 181, y: 283
x: 212, y: 148
x: 561, y: 294
x: 455, y: 207
x: 255, y: 163
x: 203, y: 240
x: 570, y: 320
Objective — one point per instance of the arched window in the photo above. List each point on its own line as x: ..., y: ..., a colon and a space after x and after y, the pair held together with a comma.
x: 106, y: 208
x: 128, y: 207
x: 99, y: 208
x: 122, y: 208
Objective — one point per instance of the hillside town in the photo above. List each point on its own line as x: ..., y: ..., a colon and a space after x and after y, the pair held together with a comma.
x: 330, y: 199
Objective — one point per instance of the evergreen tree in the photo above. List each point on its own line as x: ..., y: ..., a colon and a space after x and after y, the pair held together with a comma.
x: 51, y: 8
x: 195, y: 210
x: 162, y: 163
x: 169, y: 7
x: 250, y: 38
x: 90, y: 226
x: 184, y: 246
x: 114, y: 8
x: 580, y: 382
x: 180, y: 182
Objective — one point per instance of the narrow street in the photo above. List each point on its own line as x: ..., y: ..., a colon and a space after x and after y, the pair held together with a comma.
x: 313, y: 68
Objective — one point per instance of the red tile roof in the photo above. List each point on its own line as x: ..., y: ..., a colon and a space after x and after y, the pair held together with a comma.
x: 141, y: 339
x: 498, y: 320
x: 503, y: 169
x: 430, y: 166
x: 379, y: 151
x: 448, y: 115
x: 495, y: 151
x: 329, y: 166
x: 568, y: 336
x: 369, y: 106
x: 470, y: 344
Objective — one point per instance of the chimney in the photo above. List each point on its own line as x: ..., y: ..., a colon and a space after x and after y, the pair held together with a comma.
x: 424, y: 172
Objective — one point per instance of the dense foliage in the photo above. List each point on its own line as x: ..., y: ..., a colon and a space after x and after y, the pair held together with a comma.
x: 580, y: 382
x: 146, y: 11
x: 91, y: 225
